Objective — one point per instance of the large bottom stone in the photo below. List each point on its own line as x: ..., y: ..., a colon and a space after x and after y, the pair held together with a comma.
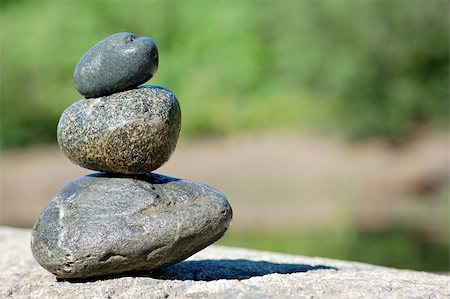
x: 100, y: 225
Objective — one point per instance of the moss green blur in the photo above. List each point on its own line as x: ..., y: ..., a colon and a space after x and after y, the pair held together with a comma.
x: 418, y: 242
x: 395, y: 247
x: 355, y: 68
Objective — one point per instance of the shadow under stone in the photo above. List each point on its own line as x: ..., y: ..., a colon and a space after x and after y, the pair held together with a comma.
x: 152, y: 178
x: 209, y: 270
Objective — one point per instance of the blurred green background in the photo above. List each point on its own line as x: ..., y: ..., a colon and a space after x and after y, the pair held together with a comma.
x: 362, y: 68
x: 353, y: 69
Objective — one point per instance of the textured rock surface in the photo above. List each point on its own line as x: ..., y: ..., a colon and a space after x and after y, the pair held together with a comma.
x: 119, y: 62
x: 98, y: 225
x: 219, y: 272
x: 130, y: 132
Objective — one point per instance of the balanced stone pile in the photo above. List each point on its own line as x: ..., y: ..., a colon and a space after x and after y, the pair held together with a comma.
x: 123, y: 218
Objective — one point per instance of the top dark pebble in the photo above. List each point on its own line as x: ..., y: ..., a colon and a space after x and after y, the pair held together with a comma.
x: 117, y: 63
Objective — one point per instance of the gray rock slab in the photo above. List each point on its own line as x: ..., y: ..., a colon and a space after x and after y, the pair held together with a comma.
x: 118, y: 62
x: 100, y: 225
x: 219, y: 272
x: 131, y: 132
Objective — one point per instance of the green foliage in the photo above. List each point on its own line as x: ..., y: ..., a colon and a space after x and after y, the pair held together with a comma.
x: 397, y: 248
x: 357, y: 68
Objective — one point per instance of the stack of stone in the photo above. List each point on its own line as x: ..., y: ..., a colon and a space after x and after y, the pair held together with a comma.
x: 123, y: 218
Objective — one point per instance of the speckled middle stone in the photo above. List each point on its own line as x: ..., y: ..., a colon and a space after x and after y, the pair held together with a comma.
x: 131, y: 132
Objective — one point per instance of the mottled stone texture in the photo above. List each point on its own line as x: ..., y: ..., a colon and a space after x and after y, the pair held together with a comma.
x: 119, y: 62
x: 130, y: 132
x: 219, y: 272
x: 100, y: 225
